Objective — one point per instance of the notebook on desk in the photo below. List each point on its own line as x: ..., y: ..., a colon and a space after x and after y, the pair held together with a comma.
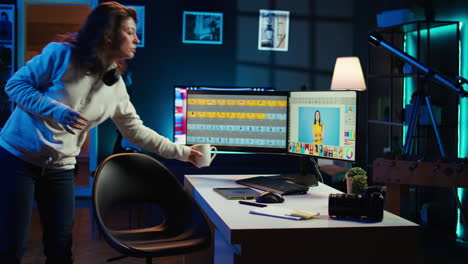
x: 281, y: 212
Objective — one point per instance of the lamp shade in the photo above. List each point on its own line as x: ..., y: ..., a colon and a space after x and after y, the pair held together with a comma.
x: 347, y: 75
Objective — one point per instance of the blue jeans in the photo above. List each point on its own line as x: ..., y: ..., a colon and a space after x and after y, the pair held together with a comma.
x: 53, y: 189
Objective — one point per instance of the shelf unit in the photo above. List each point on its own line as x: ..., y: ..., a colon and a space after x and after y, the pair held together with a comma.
x: 435, y: 44
x: 391, y: 84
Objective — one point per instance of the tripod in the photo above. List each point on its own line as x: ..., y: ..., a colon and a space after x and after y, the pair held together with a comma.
x: 413, y: 121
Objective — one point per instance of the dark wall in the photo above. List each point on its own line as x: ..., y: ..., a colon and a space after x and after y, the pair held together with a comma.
x: 165, y: 61
x: 319, y: 32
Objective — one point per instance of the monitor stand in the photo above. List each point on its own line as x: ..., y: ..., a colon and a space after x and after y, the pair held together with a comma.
x: 308, y: 174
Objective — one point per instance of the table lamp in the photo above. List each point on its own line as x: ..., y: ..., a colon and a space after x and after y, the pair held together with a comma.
x: 347, y: 75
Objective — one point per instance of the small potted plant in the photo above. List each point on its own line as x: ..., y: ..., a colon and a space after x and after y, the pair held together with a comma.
x: 359, y: 184
x: 353, y: 172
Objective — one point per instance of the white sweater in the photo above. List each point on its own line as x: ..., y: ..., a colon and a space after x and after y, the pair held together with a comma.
x: 46, y: 86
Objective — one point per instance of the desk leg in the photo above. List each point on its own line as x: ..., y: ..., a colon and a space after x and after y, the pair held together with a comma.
x: 223, y: 251
x: 397, y: 197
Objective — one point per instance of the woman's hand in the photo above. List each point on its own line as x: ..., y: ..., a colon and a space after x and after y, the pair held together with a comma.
x: 72, y: 119
x: 194, y: 154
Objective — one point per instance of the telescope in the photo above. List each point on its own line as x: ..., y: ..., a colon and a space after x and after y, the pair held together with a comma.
x: 377, y: 41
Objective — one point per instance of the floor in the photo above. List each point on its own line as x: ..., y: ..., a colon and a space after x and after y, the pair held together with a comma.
x: 88, y: 246
x: 437, y: 247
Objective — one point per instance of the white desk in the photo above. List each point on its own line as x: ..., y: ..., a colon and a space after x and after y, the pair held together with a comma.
x: 241, y: 237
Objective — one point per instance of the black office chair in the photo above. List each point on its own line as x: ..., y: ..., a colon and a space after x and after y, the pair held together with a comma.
x: 135, y: 178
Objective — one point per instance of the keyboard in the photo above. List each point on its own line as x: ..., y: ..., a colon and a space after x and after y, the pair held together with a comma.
x: 273, y: 184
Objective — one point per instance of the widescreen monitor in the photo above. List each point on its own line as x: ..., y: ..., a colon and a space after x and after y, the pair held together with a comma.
x: 323, y: 124
x: 238, y: 121
x: 180, y: 104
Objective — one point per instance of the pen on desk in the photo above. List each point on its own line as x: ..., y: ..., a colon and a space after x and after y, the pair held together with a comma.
x: 252, y: 204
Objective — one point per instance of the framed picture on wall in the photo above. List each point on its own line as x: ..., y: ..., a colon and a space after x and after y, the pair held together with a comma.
x: 140, y: 30
x: 7, y: 57
x: 202, y: 27
x: 7, y: 37
x: 273, y: 30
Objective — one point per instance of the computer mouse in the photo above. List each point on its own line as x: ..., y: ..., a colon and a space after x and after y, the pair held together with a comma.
x: 270, y: 197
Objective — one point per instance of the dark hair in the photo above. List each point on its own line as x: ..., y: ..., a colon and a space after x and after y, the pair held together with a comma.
x: 315, y: 117
x: 98, y: 37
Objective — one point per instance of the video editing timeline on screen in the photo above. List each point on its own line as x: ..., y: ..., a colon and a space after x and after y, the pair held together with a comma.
x: 245, y: 120
x: 323, y: 124
x: 180, y: 104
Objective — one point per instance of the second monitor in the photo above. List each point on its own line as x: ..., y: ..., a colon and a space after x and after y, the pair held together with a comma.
x: 323, y: 124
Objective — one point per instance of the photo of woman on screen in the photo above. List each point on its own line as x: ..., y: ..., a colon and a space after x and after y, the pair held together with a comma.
x: 317, y: 129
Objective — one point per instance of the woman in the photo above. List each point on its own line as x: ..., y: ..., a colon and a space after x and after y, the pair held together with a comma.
x: 317, y: 129
x: 60, y: 95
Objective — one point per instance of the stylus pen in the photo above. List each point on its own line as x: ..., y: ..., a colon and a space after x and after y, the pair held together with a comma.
x: 252, y: 204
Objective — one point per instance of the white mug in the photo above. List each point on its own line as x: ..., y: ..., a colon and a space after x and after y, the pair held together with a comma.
x: 207, y: 158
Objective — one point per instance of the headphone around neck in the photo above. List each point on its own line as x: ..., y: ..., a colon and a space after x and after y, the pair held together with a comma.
x: 111, y: 77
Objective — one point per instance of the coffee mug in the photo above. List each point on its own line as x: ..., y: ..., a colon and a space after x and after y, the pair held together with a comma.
x: 207, y: 158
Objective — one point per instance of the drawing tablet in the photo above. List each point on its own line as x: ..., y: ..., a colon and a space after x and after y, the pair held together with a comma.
x: 237, y: 193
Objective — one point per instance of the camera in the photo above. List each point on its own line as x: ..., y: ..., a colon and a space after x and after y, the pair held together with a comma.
x: 366, y: 206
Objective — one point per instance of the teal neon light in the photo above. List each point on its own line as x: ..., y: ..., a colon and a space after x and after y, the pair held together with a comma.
x: 460, y: 229
x: 462, y: 125
x: 409, y: 87
x: 408, y: 82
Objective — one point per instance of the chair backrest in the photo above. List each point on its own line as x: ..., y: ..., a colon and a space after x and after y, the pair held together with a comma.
x: 138, y: 178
